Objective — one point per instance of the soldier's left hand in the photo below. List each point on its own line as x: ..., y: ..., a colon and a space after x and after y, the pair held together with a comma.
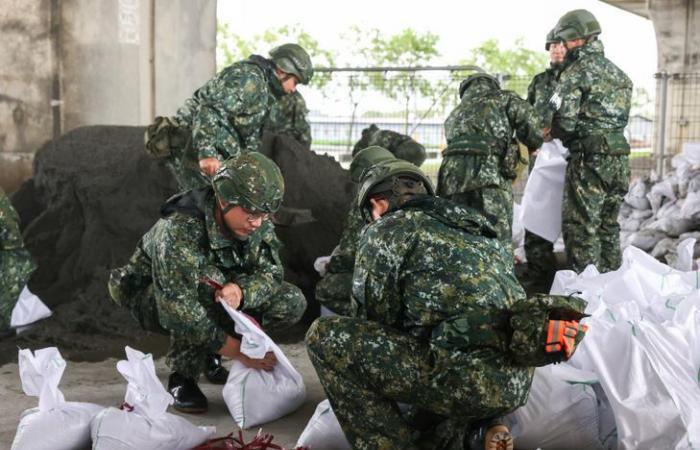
x: 231, y: 294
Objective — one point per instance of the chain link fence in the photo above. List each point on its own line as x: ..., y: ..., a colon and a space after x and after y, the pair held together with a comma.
x: 416, y: 102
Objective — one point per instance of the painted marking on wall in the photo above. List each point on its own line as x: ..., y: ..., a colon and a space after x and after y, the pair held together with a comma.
x: 129, y: 21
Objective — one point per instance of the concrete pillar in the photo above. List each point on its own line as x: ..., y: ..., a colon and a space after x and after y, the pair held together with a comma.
x: 677, y: 25
x: 67, y: 64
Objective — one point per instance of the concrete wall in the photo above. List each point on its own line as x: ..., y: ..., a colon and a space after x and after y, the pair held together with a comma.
x: 677, y: 25
x: 70, y: 63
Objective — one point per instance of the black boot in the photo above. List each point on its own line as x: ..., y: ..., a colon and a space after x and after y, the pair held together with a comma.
x: 214, y: 371
x: 490, y: 435
x: 188, y: 397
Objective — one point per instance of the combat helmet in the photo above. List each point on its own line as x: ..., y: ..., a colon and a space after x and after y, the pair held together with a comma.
x: 293, y: 59
x: 367, y: 158
x: 473, y: 77
x: 398, y: 178
x: 551, y: 39
x: 250, y: 180
x: 577, y: 24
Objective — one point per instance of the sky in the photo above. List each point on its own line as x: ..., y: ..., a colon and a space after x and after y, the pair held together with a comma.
x: 629, y: 39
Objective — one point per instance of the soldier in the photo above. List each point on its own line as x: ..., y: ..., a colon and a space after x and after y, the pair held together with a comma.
x: 591, y: 109
x: 432, y: 293
x: 541, y: 262
x: 225, y: 116
x: 16, y: 264
x: 402, y: 146
x: 480, y: 162
x: 288, y: 115
x: 334, y: 289
x: 221, y: 232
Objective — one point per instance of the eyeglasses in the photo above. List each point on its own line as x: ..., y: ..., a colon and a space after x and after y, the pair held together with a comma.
x: 253, y: 217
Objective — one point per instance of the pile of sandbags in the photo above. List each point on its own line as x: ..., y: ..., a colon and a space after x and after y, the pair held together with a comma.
x: 658, y: 215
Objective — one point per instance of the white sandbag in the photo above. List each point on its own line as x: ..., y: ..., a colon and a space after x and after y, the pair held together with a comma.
x: 517, y: 230
x: 630, y: 224
x: 55, y: 424
x: 323, y: 431
x: 544, y: 191
x: 673, y: 226
x: 662, y: 247
x: 563, y: 412
x: 641, y: 214
x: 643, y: 344
x: 636, y: 195
x: 143, y: 424
x: 646, y: 239
x: 691, y: 206
x: 685, y: 252
x: 666, y: 188
x: 255, y: 397
x: 28, y: 309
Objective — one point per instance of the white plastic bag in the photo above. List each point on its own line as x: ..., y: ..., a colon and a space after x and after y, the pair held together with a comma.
x: 143, y: 424
x: 55, y: 424
x: 255, y: 397
x: 28, y: 309
x: 323, y: 431
x: 544, y: 191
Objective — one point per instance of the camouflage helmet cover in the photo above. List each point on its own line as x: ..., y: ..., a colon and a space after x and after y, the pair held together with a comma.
x: 292, y: 58
x: 577, y: 24
x: 367, y: 158
x: 551, y: 39
x: 386, y: 176
x: 473, y: 77
x: 250, y: 180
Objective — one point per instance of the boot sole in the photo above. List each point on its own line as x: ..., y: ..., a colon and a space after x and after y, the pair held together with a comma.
x: 190, y: 410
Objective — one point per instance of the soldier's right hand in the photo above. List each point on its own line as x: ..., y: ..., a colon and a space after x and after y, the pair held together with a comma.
x: 209, y: 166
x: 231, y: 294
x: 266, y: 363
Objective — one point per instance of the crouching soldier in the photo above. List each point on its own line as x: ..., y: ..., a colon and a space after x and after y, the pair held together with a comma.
x: 441, y: 325
x: 16, y: 265
x: 221, y: 232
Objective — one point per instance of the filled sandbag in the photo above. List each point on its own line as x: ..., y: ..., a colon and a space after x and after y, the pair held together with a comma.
x: 28, y: 309
x: 54, y: 424
x: 323, y: 431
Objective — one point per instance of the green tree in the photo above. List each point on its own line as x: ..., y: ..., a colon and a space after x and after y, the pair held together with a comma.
x: 516, y: 64
x: 231, y: 48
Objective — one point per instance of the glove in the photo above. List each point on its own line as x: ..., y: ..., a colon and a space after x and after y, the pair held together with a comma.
x: 564, y: 336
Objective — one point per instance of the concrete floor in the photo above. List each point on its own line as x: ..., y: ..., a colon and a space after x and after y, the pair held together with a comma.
x: 99, y: 382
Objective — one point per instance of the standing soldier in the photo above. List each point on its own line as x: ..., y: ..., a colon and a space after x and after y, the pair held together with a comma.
x: 16, y: 264
x: 221, y: 232
x: 288, y: 115
x: 591, y: 109
x: 441, y: 325
x: 225, y: 117
x: 479, y: 162
x: 541, y: 262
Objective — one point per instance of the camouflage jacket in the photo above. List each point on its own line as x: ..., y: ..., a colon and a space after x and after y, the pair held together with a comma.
x: 227, y: 114
x: 428, y: 262
x: 288, y: 115
x: 387, y: 139
x: 10, y: 235
x: 188, y: 244
x: 595, y: 95
x: 482, y: 127
x: 343, y: 256
x: 540, y: 91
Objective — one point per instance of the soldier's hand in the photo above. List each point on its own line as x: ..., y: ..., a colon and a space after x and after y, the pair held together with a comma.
x: 547, y: 134
x: 231, y: 294
x: 209, y: 166
x: 266, y: 363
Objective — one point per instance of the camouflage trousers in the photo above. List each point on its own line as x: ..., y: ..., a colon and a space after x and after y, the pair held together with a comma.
x: 593, y: 191
x: 334, y: 290
x: 16, y: 266
x: 196, y: 327
x: 541, y: 263
x: 366, y: 368
x: 496, y: 202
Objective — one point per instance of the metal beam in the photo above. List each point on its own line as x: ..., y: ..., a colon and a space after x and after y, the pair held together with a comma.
x: 637, y: 7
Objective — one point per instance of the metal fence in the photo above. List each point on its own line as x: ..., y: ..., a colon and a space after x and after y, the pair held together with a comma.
x: 417, y: 101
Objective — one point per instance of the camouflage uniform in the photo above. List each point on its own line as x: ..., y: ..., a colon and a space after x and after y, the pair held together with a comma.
x: 223, y: 118
x: 160, y: 284
x: 406, y: 345
x: 334, y: 289
x: 288, y: 115
x: 595, y: 102
x: 402, y: 146
x: 479, y: 163
x: 16, y: 264
x: 541, y: 262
